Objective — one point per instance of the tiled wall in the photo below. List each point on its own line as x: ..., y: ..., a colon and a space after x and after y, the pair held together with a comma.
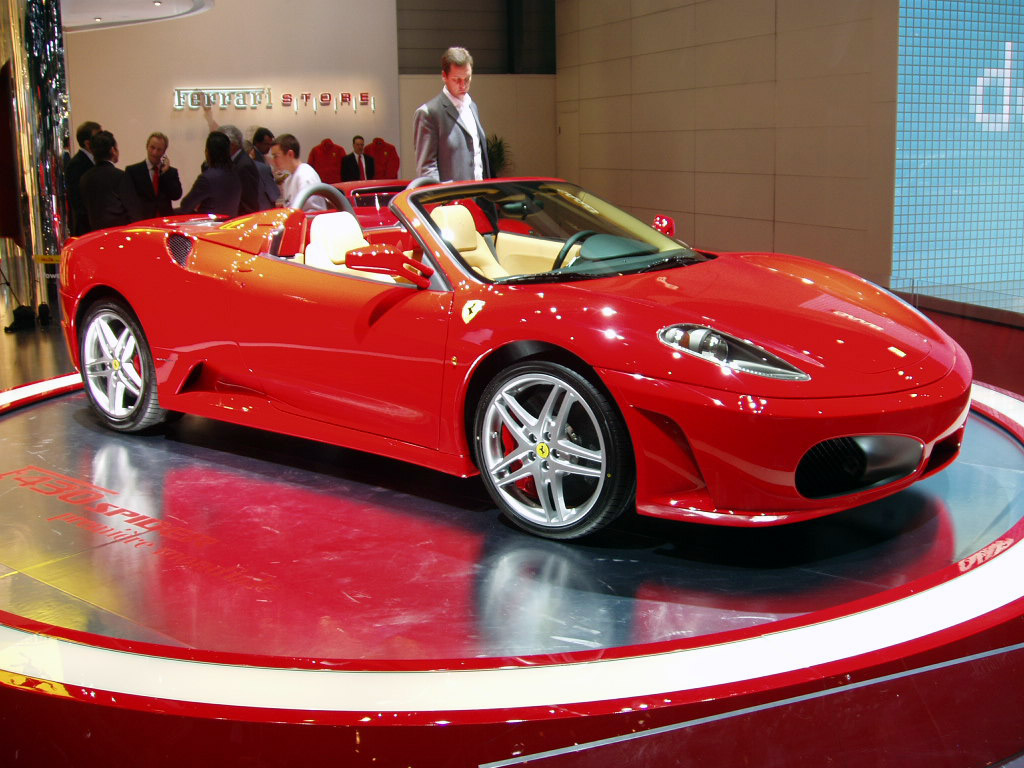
x: 959, y: 208
x: 758, y: 124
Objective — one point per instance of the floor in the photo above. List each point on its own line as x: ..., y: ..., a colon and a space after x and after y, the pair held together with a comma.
x: 233, y: 559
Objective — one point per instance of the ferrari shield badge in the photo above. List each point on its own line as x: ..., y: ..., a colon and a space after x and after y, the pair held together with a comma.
x: 470, y: 309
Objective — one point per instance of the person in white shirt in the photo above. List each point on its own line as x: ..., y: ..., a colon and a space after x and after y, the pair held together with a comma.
x: 450, y: 141
x: 284, y: 154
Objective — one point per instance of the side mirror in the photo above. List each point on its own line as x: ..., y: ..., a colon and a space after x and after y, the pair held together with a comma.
x: 388, y: 260
x: 665, y: 224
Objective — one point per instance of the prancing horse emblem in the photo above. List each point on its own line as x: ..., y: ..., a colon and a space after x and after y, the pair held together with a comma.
x: 470, y: 309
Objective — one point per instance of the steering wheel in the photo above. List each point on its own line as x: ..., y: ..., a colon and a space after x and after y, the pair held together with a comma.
x: 579, y: 237
x: 332, y: 194
x: 422, y: 181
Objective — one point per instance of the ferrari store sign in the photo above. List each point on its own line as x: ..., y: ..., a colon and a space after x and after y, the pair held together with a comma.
x: 254, y: 98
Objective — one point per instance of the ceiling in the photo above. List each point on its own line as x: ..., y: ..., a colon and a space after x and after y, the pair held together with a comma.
x: 80, y: 15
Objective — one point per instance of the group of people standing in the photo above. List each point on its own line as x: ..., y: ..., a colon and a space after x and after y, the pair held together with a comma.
x: 234, y: 179
x: 450, y: 144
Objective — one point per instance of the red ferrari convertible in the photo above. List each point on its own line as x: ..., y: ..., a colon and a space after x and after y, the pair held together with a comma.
x: 582, y: 362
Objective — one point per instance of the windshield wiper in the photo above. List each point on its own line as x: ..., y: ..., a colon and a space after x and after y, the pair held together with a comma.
x: 542, y: 277
x: 675, y: 259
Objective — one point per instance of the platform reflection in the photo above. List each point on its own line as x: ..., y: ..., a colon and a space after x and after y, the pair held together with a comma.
x: 210, y: 536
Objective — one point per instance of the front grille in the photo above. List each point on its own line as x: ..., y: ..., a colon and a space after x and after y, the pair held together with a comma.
x: 831, y: 468
x: 180, y: 247
x: 848, y: 464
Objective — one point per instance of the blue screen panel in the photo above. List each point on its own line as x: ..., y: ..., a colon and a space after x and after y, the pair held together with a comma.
x: 959, y: 204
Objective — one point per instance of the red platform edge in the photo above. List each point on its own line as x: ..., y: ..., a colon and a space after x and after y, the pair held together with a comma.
x: 967, y: 616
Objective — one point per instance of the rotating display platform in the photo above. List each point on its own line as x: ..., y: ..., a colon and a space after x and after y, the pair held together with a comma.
x: 264, y: 597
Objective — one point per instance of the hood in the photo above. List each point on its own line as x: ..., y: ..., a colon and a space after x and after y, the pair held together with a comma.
x: 848, y: 335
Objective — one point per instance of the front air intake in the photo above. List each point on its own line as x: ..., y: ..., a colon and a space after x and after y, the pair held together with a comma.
x: 850, y: 464
x: 180, y: 247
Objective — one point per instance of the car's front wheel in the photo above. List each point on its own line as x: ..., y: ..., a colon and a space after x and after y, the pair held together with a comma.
x: 118, y: 370
x: 553, y: 451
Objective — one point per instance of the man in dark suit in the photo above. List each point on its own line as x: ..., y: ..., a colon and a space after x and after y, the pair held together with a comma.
x: 245, y: 167
x: 262, y: 140
x: 450, y: 141
x: 104, y: 186
x: 153, y: 185
x: 356, y: 165
x: 74, y: 169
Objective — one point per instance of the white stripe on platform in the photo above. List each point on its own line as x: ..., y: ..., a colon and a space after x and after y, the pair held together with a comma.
x: 985, y: 588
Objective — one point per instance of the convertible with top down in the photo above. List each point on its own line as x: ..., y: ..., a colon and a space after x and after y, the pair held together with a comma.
x: 583, y: 363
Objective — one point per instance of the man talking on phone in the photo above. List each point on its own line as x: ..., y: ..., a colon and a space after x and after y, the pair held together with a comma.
x: 153, y: 184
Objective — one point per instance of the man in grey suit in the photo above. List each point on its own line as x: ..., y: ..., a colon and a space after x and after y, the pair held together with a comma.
x: 451, y: 144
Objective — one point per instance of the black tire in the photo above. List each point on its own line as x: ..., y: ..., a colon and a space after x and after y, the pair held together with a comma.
x: 553, y: 451
x: 117, y: 368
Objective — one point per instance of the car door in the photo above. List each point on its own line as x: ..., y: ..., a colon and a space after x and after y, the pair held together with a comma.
x: 344, y: 349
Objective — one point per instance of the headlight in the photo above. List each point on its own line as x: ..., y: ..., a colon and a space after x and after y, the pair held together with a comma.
x: 728, y: 351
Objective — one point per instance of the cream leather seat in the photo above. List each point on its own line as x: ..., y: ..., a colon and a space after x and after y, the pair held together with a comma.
x: 457, y: 227
x: 331, y: 236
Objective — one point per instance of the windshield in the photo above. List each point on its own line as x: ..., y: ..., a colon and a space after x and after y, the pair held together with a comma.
x: 544, y: 231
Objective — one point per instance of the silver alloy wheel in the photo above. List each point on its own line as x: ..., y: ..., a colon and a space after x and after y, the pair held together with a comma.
x: 543, y: 449
x: 112, y: 365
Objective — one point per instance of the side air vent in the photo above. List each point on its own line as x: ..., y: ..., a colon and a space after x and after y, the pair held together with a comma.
x: 180, y: 247
x: 850, y: 464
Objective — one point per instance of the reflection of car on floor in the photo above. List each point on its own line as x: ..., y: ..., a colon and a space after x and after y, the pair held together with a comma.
x: 580, y: 360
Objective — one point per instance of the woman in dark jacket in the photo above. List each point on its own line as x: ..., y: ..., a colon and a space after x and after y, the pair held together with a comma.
x: 217, y: 189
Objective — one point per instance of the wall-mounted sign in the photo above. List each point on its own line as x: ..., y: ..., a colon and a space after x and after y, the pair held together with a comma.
x: 253, y: 98
x: 328, y: 100
x: 239, y: 98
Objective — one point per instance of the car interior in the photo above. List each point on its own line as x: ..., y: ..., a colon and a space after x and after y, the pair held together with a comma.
x: 498, y: 232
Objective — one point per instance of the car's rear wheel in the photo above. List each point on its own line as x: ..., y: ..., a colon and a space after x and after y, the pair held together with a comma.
x: 118, y: 370
x: 553, y: 451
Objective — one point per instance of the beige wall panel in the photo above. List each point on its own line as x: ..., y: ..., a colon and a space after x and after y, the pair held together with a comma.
x: 735, y: 106
x: 605, y: 78
x: 723, y: 233
x: 596, y: 12
x: 881, y: 190
x: 663, y: 190
x: 722, y: 20
x: 526, y: 121
x: 567, y: 15
x: 663, y: 71
x: 824, y: 201
x: 604, y: 42
x: 751, y: 60
x: 803, y: 14
x: 610, y: 115
x: 567, y: 50
x: 663, y: 150
x: 842, y: 49
x: 645, y: 7
x: 885, y: 50
x: 606, y: 150
x: 739, y: 195
x: 823, y: 151
x: 839, y: 100
x: 783, y: 111
x: 672, y: 110
x: 665, y: 31
x: 568, y: 143
x: 567, y: 84
x: 735, y: 151
x: 613, y: 186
